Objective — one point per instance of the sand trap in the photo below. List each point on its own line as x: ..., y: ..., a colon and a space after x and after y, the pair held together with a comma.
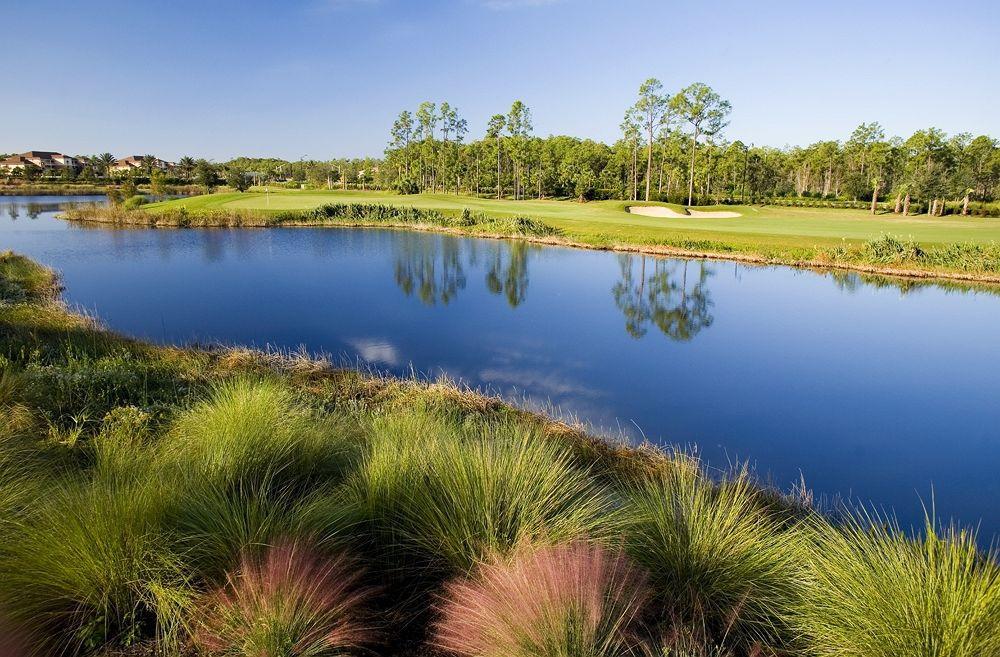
x: 660, y: 211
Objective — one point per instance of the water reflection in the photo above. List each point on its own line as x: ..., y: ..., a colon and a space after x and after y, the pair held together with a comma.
x: 508, y: 272
x: 662, y: 294
x: 430, y: 269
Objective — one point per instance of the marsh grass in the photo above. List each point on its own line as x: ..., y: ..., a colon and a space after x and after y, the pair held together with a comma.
x: 876, y: 592
x: 721, y: 562
x: 573, y: 600
x: 332, y: 214
x: 24, y: 280
x: 455, y: 495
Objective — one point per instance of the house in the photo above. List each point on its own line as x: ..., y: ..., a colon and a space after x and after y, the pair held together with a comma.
x: 45, y: 160
x: 135, y: 163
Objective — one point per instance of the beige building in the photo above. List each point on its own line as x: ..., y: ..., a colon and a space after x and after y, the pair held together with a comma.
x: 42, y: 159
x: 134, y: 163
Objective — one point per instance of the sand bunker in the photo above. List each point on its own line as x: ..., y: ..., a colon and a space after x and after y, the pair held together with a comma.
x: 660, y: 211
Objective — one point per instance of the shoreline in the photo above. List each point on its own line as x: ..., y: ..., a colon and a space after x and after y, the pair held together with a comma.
x: 250, y: 220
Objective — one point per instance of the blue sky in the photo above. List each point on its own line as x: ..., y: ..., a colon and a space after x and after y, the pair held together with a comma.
x: 323, y: 78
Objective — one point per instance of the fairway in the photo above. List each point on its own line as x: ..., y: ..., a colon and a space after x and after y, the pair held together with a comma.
x: 757, y: 225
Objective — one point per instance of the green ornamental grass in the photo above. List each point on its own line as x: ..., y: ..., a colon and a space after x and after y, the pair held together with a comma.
x: 456, y: 495
x: 874, y: 592
x: 723, y: 567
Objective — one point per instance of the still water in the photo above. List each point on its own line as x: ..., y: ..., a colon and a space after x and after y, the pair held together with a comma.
x: 877, y: 393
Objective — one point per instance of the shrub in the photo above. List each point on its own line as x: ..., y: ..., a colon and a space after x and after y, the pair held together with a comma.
x: 133, y: 202
x: 890, y: 249
x: 291, y: 602
x: 575, y: 600
x: 875, y: 592
x: 456, y: 495
x: 718, y: 559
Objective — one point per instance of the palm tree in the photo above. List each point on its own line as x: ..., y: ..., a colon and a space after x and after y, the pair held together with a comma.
x: 186, y: 165
x: 148, y: 163
x: 104, y: 162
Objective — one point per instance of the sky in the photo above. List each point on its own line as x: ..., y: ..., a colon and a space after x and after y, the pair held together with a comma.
x: 318, y: 79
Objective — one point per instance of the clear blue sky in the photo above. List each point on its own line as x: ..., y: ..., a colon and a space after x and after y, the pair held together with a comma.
x: 321, y: 78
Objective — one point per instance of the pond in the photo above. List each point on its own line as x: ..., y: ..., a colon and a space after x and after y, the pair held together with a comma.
x: 879, y: 392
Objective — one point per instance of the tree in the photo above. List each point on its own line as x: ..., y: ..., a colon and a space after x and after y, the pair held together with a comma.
x: 148, y: 162
x: 104, y: 162
x: 494, y: 130
x: 631, y: 131
x: 158, y: 183
x: 706, y: 112
x: 205, y: 174
x: 519, y: 127
x: 654, y: 110
x: 237, y: 179
x: 186, y: 166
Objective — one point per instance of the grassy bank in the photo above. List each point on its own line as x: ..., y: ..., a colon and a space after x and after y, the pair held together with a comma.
x: 176, y: 501
x: 966, y: 249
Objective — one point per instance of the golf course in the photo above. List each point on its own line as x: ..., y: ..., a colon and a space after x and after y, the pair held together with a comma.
x: 965, y: 248
x: 763, y: 225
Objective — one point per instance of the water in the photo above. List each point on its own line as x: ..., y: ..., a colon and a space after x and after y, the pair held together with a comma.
x: 869, y: 392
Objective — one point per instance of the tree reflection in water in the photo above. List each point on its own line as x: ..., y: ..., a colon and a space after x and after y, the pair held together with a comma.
x: 508, y: 272
x: 429, y: 267
x: 668, y: 297
x: 432, y: 268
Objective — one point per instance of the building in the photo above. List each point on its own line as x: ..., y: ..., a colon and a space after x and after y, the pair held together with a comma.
x: 45, y: 160
x: 135, y: 163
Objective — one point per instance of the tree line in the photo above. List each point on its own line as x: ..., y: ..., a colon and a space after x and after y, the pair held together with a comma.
x: 671, y: 148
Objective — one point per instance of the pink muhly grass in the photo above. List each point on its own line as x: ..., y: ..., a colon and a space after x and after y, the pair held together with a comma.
x: 575, y: 600
x: 289, y: 601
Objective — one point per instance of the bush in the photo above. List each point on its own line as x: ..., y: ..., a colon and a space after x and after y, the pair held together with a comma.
x: 133, y: 202
x: 718, y: 560
x: 875, y: 592
x: 454, y: 496
x: 889, y: 249
x: 574, y: 600
x: 291, y: 602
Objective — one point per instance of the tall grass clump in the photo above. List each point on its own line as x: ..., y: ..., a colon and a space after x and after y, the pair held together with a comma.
x: 249, y: 463
x: 249, y: 430
x: 455, y: 494
x: 721, y: 563
x: 21, y: 279
x: 878, y: 593
x: 292, y: 601
x: 575, y: 600
x: 90, y: 565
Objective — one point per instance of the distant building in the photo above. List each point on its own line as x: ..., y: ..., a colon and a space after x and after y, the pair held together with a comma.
x: 135, y: 163
x: 44, y: 160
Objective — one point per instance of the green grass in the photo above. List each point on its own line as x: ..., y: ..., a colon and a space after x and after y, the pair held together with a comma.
x: 146, y: 491
x: 609, y: 220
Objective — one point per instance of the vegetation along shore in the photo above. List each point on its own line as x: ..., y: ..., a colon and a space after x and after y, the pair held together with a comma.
x: 160, y: 500
x: 965, y: 249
